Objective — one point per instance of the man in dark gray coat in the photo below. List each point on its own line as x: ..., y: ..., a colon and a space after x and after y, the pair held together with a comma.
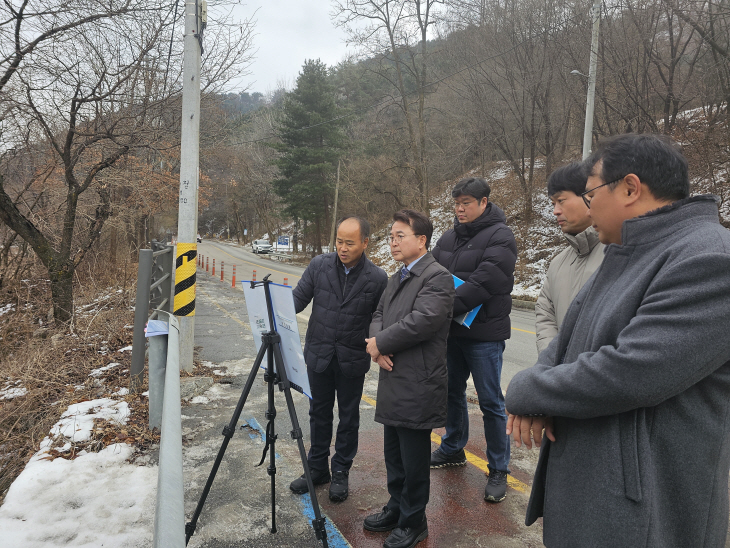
x: 634, y: 389
x: 408, y: 340
x: 346, y: 288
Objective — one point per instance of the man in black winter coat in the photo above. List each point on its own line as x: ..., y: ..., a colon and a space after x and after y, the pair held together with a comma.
x: 481, y: 251
x: 346, y: 288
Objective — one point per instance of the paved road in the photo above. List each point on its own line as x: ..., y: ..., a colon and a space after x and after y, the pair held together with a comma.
x: 238, y: 510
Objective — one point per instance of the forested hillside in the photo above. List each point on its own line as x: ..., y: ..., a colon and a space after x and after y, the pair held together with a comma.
x: 441, y: 89
x: 437, y: 90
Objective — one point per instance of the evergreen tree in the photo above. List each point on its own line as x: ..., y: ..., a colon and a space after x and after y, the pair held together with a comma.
x: 310, y: 148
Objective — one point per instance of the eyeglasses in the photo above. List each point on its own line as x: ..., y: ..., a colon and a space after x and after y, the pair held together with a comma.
x: 587, y: 200
x: 459, y: 205
x: 398, y: 238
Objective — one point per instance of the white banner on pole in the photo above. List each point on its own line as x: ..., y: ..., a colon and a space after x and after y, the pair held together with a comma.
x: 285, y: 320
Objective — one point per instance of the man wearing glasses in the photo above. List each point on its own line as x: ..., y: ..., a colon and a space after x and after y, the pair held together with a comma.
x: 481, y: 251
x: 408, y: 341
x: 633, y: 392
x: 572, y: 267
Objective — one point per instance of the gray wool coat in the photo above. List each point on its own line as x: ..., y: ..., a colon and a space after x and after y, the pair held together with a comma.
x: 638, y: 381
x: 412, y: 322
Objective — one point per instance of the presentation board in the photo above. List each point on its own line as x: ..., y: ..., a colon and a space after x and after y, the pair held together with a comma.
x: 285, y: 324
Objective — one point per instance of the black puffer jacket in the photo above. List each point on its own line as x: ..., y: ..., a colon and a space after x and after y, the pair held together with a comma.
x: 483, y: 254
x: 336, y: 325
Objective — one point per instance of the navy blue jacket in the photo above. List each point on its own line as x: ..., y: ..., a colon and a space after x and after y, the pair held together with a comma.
x: 483, y: 254
x: 336, y: 324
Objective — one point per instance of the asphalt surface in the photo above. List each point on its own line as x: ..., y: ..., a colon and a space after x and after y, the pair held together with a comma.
x: 237, y: 512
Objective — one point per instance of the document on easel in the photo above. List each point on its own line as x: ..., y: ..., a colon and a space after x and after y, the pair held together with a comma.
x: 285, y: 324
x: 466, y: 318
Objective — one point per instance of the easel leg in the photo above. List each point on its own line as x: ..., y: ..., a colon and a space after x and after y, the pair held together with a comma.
x: 271, y: 436
x: 318, y: 524
x: 228, y: 432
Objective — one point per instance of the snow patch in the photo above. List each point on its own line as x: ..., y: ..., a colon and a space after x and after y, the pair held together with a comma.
x: 77, y: 421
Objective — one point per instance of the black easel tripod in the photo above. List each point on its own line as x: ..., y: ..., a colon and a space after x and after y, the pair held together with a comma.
x: 271, y: 342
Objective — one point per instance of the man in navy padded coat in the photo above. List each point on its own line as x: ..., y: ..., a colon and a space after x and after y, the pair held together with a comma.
x: 634, y: 389
x: 481, y: 251
x: 345, y: 288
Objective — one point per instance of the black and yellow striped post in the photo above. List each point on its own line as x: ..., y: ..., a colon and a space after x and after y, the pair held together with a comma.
x: 185, y: 267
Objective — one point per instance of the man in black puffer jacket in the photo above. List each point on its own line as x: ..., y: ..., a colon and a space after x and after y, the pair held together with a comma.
x: 345, y: 288
x: 481, y: 251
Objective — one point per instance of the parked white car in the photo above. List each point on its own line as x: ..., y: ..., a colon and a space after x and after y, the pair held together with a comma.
x: 261, y: 246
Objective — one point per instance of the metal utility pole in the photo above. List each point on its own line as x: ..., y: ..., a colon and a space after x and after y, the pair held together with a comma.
x: 591, y: 99
x: 334, y: 213
x: 187, y: 223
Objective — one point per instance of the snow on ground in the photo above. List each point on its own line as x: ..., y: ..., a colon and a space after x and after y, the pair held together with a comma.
x: 77, y: 421
x: 94, y: 500
x: 12, y: 389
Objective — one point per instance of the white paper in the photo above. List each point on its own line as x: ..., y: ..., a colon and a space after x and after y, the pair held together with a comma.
x: 157, y: 327
x: 285, y: 320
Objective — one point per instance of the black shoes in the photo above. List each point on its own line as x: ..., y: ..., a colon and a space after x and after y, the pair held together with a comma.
x: 338, y: 487
x: 439, y: 459
x: 496, y: 489
x: 382, y: 521
x: 299, y: 485
x: 407, y: 537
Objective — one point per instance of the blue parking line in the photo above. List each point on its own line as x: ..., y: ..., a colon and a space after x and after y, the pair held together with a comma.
x: 334, y: 537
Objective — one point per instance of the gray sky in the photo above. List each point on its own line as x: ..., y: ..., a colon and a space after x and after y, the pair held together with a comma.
x: 287, y: 33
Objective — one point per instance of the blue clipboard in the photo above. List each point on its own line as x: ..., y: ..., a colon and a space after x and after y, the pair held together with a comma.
x: 466, y: 318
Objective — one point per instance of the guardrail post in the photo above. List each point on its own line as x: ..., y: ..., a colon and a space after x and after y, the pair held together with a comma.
x: 170, y: 515
x: 162, y: 269
x: 156, y: 372
x: 141, y: 309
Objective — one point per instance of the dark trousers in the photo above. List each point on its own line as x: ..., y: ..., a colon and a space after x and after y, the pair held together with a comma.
x: 348, y: 390
x: 407, y: 461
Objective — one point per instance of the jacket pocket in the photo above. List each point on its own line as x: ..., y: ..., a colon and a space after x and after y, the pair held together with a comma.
x: 630, y: 455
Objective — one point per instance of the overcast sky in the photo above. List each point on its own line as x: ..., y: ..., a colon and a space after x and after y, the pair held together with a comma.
x: 287, y: 33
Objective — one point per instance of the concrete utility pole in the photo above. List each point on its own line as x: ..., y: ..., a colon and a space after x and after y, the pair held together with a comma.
x: 187, y: 223
x: 591, y: 99
x: 334, y: 213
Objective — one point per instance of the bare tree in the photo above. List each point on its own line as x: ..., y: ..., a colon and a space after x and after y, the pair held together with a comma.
x: 396, y: 33
x: 87, y: 84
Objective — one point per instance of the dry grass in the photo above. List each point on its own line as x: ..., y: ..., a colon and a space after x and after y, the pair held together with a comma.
x: 55, y: 371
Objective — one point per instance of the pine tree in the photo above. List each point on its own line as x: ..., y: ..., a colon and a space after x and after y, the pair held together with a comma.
x: 311, y: 143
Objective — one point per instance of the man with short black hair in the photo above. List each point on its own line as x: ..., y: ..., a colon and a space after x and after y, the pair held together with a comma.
x: 408, y: 341
x: 345, y: 288
x: 481, y: 251
x: 572, y: 267
x: 633, y: 392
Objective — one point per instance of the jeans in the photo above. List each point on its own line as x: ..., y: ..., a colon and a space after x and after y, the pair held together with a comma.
x: 483, y: 360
